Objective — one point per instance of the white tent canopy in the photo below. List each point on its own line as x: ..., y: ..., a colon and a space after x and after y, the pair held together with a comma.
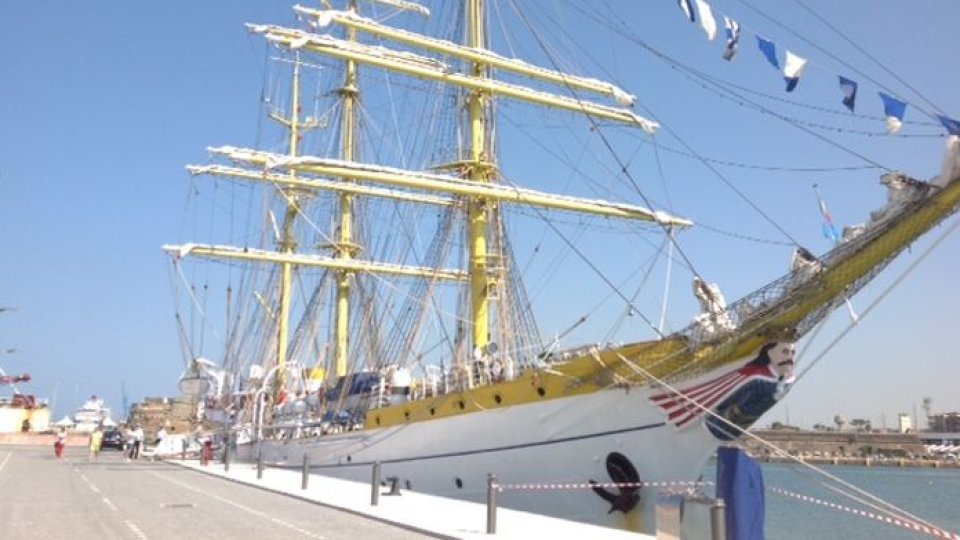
x: 64, y: 422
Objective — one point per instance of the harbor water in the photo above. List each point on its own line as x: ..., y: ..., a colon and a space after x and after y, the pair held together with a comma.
x: 930, y: 494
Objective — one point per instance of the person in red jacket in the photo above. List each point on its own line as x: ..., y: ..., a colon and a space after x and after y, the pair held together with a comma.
x: 207, y: 451
x: 60, y: 443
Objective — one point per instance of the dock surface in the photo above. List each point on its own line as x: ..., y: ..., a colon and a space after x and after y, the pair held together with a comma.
x: 76, y: 499
x: 110, y: 498
x: 439, y: 517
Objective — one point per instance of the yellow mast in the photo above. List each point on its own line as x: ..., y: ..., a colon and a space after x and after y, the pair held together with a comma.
x: 288, y: 243
x: 479, y: 171
x: 346, y: 248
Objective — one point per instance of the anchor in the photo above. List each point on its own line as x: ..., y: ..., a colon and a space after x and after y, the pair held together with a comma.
x: 621, y: 471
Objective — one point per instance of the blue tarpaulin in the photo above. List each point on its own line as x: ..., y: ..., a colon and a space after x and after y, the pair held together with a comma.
x: 740, y: 485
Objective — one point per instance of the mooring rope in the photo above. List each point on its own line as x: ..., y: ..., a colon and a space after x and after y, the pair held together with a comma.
x: 906, y: 524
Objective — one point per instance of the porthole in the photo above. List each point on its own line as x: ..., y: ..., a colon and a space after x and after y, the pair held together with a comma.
x: 541, y: 391
x: 497, y: 398
x: 432, y: 411
x: 461, y: 404
x: 458, y: 482
x: 349, y: 459
x: 378, y: 420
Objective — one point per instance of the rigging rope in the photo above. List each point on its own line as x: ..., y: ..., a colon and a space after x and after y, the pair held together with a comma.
x: 890, y: 508
x: 603, y: 138
x: 953, y: 227
x: 833, y: 56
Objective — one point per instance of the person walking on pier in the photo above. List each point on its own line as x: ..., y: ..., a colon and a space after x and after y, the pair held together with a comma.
x: 96, y: 442
x: 161, y: 435
x: 60, y: 443
x: 137, y: 445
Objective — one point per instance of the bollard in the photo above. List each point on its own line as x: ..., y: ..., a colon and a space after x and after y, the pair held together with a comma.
x: 260, y: 464
x: 718, y: 520
x: 306, y: 471
x: 375, y: 485
x: 491, y: 504
x: 394, y: 483
x: 226, y: 454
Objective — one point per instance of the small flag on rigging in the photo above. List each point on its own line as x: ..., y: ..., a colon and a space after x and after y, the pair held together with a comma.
x: 830, y: 232
x: 769, y: 51
x: 793, y: 70
x: 733, y: 37
x: 849, y: 89
x: 894, y: 109
x: 953, y: 126
x: 707, y: 22
x: 687, y: 8
x: 828, y: 228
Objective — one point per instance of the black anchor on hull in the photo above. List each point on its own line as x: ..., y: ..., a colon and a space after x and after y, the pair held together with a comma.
x: 621, y: 471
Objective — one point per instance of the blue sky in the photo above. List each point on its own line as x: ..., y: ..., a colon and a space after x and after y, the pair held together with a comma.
x: 103, y: 104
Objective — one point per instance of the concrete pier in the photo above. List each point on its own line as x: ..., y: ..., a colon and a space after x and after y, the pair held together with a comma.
x: 109, y: 498
x: 439, y: 517
x: 78, y: 499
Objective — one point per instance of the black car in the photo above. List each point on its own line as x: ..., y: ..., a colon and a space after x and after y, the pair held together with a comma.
x: 112, y: 438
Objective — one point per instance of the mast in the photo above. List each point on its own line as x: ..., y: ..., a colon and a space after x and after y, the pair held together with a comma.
x: 479, y: 171
x: 471, y: 181
x: 346, y: 248
x: 288, y: 243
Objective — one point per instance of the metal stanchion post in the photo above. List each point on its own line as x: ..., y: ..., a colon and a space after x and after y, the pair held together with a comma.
x: 491, y: 504
x: 306, y: 471
x: 718, y: 520
x: 375, y: 485
x: 226, y: 453
x: 260, y: 464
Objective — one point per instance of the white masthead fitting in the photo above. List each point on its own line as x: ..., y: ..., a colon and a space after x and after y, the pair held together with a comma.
x: 405, y: 6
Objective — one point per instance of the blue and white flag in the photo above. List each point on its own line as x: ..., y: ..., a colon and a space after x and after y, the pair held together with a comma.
x: 732, y: 29
x: 707, y: 22
x: 828, y: 228
x: 953, y: 126
x: 894, y: 109
x: 849, y: 89
x: 769, y: 51
x: 687, y: 8
x: 793, y: 70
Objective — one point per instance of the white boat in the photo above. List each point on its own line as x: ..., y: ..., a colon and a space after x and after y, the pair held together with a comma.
x: 91, y: 414
x: 355, y: 336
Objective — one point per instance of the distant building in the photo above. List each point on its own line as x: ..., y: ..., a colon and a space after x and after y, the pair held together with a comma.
x: 945, y: 422
x: 23, y: 413
x: 177, y: 415
x: 904, y: 423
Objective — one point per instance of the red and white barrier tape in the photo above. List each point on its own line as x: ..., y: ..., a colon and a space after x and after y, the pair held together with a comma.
x: 885, y: 519
x: 536, y: 487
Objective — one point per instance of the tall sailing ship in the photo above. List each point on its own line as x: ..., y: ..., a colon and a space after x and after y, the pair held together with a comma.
x: 381, y: 315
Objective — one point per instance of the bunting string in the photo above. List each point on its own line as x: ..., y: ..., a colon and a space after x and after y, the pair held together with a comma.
x: 794, y: 65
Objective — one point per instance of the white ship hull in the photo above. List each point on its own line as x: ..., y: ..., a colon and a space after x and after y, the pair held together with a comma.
x: 565, y: 440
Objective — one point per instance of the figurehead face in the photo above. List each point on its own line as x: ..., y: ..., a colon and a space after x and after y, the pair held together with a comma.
x: 782, y: 356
